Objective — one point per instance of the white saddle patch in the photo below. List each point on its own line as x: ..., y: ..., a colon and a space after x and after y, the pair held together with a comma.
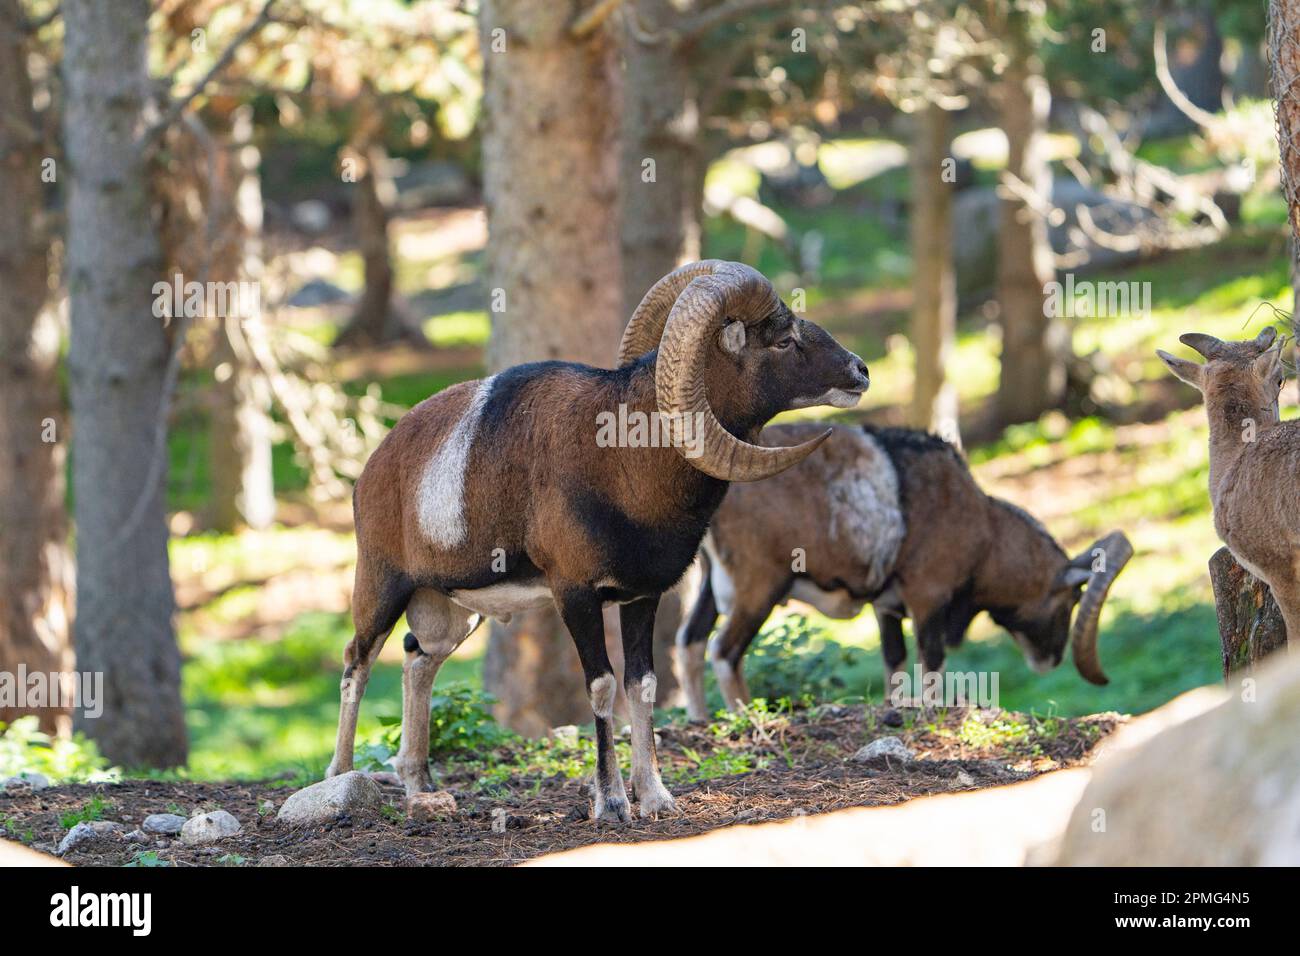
x: 864, y: 509
x: 502, y: 600
x: 441, y: 502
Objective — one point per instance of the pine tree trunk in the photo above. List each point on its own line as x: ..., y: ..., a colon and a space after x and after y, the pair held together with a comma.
x: 1034, y: 345
x: 243, y: 489
x: 934, y: 285
x: 550, y: 149
x: 116, y: 364
x: 35, y: 570
x: 662, y: 166
x: 1250, y: 623
x: 1284, y: 66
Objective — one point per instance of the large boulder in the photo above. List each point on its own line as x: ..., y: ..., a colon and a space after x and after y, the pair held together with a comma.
x: 349, y: 793
x: 1222, y: 789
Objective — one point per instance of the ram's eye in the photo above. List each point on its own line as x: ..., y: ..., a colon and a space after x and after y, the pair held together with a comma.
x: 784, y: 343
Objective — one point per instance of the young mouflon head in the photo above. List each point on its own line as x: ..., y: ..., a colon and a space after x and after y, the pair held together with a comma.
x: 1248, y: 375
x: 724, y: 323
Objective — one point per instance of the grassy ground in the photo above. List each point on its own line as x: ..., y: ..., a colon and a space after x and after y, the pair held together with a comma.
x: 264, y: 616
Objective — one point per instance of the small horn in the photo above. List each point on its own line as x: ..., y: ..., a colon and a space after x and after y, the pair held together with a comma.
x: 1117, y: 550
x: 1265, y: 338
x: 736, y: 291
x: 1206, y: 345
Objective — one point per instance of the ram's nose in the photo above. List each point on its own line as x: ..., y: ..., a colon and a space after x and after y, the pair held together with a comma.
x: 858, y: 369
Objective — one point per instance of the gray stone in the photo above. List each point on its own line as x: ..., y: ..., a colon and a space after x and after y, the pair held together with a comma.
x: 423, y: 807
x: 884, y: 748
x: 88, y: 832
x: 275, y: 859
x: 317, y: 292
x: 348, y: 793
x: 168, y: 823
x: 209, y: 827
x: 25, y: 781
x: 137, y: 836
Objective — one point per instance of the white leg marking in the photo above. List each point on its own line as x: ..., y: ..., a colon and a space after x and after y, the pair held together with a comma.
x: 652, y: 797
x: 601, y: 692
x: 441, y: 499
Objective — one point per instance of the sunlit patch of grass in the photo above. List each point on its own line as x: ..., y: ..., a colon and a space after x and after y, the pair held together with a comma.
x: 458, y: 329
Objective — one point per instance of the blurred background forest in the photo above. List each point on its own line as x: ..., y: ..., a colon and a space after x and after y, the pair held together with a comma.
x: 417, y: 193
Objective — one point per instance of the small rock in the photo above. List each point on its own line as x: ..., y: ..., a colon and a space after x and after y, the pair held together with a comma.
x: 25, y: 781
x: 567, y: 735
x: 423, y: 807
x: 884, y: 748
x: 168, y: 823
x: 332, y: 799
x: 963, y: 779
x: 891, y: 718
x: 88, y: 831
x: 275, y: 859
x: 209, y: 827
x: 137, y: 836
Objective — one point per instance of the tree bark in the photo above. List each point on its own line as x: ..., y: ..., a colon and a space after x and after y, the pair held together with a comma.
x: 1284, y: 66
x: 1034, y: 345
x: 116, y: 364
x: 1250, y: 623
x: 934, y: 284
x: 550, y: 163
x: 35, y: 570
x: 243, y: 488
x: 661, y: 125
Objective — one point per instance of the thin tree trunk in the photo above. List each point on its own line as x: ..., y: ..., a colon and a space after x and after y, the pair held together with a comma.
x: 661, y: 171
x: 35, y: 570
x: 243, y: 490
x: 380, y: 318
x: 1034, y: 345
x: 116, y: 363
x: 934, y: 285
x: 1250, y: 623
x: 550, y: 149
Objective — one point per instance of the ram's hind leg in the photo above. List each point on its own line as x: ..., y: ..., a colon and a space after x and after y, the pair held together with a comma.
x: 638, y: 626
x: 378, y: 600
x: 438, y: 627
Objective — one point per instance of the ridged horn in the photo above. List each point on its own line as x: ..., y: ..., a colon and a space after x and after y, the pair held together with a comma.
x: 1083, y: 638
x: 646, y: 327
x: 709, y: 296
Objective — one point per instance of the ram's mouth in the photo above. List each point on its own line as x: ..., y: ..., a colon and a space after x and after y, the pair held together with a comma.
x: 835, y: 397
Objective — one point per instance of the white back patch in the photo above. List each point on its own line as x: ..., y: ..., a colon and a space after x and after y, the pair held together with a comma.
x: 441, y: 502
x: 864, y: 508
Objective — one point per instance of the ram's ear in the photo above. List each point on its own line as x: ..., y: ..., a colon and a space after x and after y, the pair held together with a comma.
x: 733, y: 337
x: 1267, y: 362
x: 1190, y: 372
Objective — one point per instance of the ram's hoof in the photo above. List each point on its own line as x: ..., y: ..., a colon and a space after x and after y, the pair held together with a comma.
x: 653, y: 804
x: 613, y: 810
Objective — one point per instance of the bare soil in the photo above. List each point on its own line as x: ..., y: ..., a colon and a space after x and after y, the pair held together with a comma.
x: 800, y: 765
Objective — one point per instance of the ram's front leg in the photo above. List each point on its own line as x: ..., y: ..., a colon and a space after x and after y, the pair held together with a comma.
x: 638, y: 625
x: 581, y: 612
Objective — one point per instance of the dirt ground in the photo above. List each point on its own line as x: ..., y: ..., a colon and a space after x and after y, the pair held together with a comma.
x: 801, y: 766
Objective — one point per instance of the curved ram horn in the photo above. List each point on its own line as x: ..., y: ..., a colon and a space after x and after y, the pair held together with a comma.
x: 646, y: 327
x: 729, y: 291
x: 1083, y: 638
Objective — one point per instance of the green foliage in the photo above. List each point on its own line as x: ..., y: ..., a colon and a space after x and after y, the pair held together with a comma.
x: 92, y: 810
x: 24, y: 748
x: 461, y: 726
x: 793, y: 658
x: 148, y: 858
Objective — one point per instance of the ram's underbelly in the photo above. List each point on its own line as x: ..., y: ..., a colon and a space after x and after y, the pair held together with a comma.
x: 838, y: 604
x: 502, y: 600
